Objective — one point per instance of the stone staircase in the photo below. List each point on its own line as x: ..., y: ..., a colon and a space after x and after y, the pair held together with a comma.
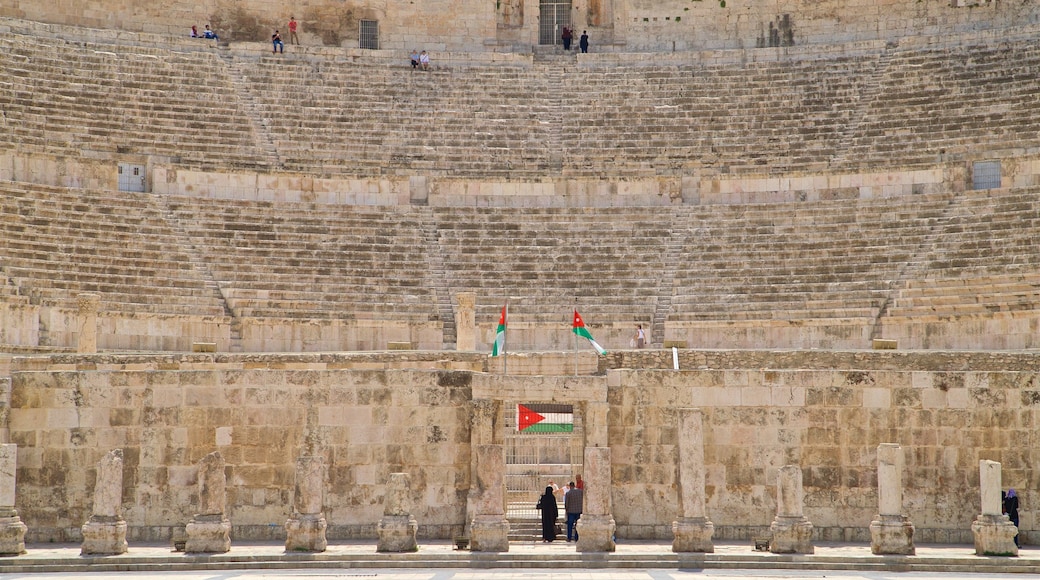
x: 59, y: 242
x: 437, y: 274
x: 68, y: 98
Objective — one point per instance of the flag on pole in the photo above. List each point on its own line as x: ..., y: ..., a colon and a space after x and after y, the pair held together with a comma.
x: 500, y: 335
x: 580, y: 330
x: 544, y: 418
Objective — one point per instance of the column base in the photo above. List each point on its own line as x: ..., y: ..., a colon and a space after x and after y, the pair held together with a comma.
x: 306, y: 533
x: 397, y: 534
x: 891, y: 534
x: 489, y: 534
x: 693, y: 535
x: 104, y: 536
x: 791, y: 535
x: 595, y: 533
x: 994, y: 535
x: 208, y: 535
x: 12, y: 534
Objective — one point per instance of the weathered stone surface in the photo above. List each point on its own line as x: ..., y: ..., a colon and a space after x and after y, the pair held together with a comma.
x: 692, y: 531
x: 595, y: 533
x: 489, y: 533
x: 86, y: 322
x: 792, y: 532
x: 397, y: 528
x: 12, y: 534
x: 890, y: 531
x: 305, y: 529
x: 994, y: 533
x: 306, y: 533
x: 8, y: 473
x: 209, y: 531
x: 105, y: 532
x: 465, y: 322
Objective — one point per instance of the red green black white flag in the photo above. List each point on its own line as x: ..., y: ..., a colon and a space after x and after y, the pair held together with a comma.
x: 500, y: 334
x: 580, y: 330
x: 544, y: 418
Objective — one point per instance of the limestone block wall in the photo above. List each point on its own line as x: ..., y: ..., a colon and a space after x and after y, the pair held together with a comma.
x: 635, y: 25
x: 294, y: 335
x: 829, y: 422
x: 19, y: 323
x: 366, y: 424
x: 996, y: 331
x: 137, y: 330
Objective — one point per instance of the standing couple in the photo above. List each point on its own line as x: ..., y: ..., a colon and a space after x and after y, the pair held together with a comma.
x: 573, y: 502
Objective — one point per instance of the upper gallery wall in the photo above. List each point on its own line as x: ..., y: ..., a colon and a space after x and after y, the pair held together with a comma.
x: 513, y: 25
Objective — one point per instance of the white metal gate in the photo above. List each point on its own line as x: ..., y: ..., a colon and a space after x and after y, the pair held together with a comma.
x: 131, y: 177
x: 554, y: 15
x: 535, y: 458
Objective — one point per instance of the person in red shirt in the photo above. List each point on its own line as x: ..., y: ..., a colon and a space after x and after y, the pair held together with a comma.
x: 293, y: 39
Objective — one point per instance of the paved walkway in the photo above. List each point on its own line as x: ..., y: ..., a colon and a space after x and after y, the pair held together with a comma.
x: 558, y: 555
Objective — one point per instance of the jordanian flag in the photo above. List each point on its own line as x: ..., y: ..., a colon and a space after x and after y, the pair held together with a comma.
x: 580, y: 330
x: 500, y: 335
x: 544, y: 418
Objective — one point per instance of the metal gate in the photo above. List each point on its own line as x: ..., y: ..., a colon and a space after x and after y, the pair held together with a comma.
x: 554, y: 15
x: 534, y: 458
x: 369, y: 34
x: 131, y: 177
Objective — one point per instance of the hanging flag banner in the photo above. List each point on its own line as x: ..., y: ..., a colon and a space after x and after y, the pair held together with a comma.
x: 580, y: 330
x: 500, y: 335
x: 544, y: 418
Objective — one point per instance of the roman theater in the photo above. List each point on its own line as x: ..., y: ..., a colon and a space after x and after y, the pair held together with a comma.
x: 286, y: 272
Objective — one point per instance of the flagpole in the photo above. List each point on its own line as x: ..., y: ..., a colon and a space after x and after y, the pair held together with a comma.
x: 574, y: 337
x: 505, y: 338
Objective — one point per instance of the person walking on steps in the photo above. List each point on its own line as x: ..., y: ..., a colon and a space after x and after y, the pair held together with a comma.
x: 583, y: 42
x: 567, y: 36
x: 573, y: 502
x: 550, y: 511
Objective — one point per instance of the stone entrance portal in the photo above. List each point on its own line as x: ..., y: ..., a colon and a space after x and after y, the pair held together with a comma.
x: 540, y: 445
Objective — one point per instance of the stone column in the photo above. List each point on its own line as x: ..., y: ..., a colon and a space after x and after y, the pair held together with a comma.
x: 305, y: 530
x: 692, y: 531
x: 12, y: 530
x: 891, y: 532
x: 397, y: 528
x: 210, y: 531
x: 993, y: 530
x: 105, y: 531
x: 792, y: 532
x: 86, y: 322
x: 596, y: 527
x: 489, y: 531
x: 465, y: 322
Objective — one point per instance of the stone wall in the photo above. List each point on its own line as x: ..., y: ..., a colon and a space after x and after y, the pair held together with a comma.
x: 366, y: 424
x: 829, y: 422
x: 630, y: 25
x: 369, y: 416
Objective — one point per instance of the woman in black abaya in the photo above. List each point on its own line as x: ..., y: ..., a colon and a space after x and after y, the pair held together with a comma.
x: 547, y: 505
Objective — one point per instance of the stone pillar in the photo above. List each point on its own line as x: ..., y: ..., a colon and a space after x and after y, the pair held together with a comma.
x: 305, y: 530
x: 484, y: 417
x: 397, y: 528
x: 489, y: 531
x: 86, y: 322
x: 596, y: 527
x: 465, y: 322
x: 12, y: 530
x: 891, y: 532
x: 993, y: 530
x: 105, y: 531
x: 210, y: 531
x: 692, y: 531
x: 792, y: 532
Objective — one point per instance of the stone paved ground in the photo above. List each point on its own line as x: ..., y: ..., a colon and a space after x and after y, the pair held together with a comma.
x: 635, y: 560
